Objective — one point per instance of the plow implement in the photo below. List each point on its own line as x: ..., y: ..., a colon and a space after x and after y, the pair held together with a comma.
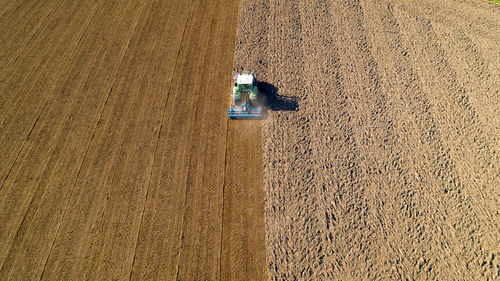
x: 245, y: 111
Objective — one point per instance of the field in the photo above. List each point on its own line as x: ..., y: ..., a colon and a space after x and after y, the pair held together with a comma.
x: 381, y: 156
x: 113, y: 144
x: 378, y: 159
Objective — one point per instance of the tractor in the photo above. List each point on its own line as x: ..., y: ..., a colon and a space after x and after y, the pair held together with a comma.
x: 245, y: 97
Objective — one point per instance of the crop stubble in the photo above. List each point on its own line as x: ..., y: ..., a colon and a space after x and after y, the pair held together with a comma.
x: 113, y: 144
x: 389, y: 168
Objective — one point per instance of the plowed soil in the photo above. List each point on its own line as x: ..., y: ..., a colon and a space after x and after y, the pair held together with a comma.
x: 381, y: 149
x: 113, y: 137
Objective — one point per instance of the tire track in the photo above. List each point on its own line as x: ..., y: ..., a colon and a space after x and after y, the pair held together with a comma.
x: 60, y: 164
x: 112, y: 201
x: 456, y: 120
x: 184, y: 175
x: 24, y: 99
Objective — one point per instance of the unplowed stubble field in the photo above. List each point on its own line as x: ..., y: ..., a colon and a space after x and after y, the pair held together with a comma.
x: 113, y: 136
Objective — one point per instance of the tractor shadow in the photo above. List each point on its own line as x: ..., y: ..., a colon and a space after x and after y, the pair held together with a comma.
x: 274, y: 101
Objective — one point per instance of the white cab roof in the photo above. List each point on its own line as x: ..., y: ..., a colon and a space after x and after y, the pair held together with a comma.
x: 244, y: 79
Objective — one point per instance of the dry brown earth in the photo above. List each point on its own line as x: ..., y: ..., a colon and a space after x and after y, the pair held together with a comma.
x: 118, y: 161
x: 113, y: 136
x: 389, y: 168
